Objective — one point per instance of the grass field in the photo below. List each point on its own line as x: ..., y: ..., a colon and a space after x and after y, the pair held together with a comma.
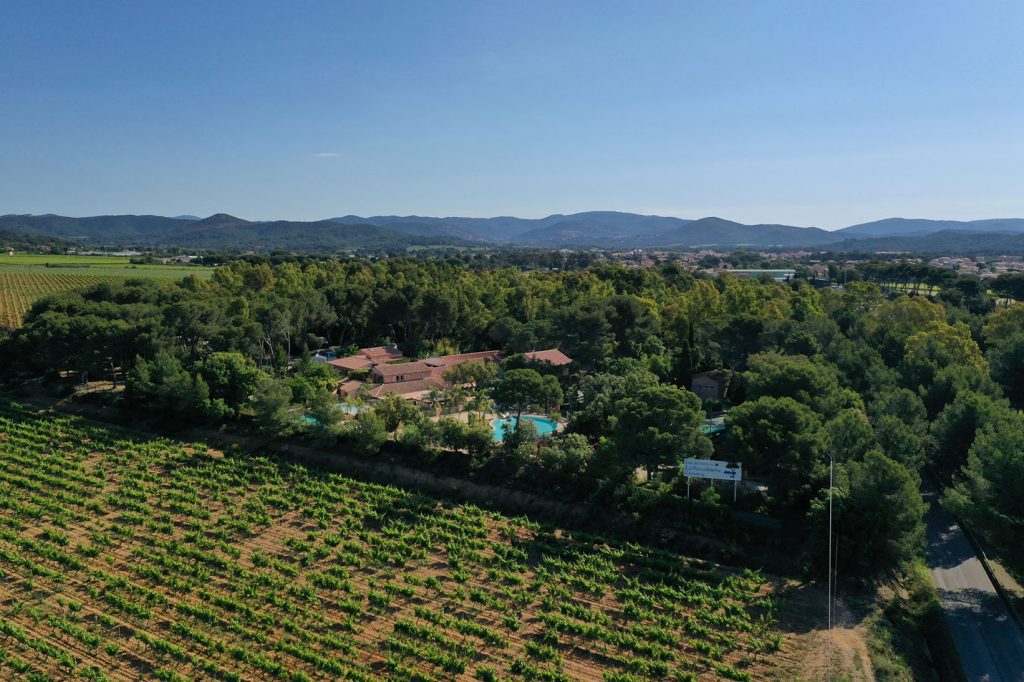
x: 61, y: 259
x: 27, y: 277
x: 137, y: 559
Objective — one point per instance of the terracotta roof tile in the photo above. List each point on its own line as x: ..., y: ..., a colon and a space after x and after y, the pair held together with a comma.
x: 351, y: 362
x: 551, y: 356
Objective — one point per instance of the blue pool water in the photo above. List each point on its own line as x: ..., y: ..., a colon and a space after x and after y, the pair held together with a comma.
x: 714, y: 425
x: 501, y: 427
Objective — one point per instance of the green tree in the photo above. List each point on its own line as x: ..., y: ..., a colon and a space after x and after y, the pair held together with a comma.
x: 232, y: 377
x: 475, y: 373
x: 951, y: 381
x: 1007, y: 360
x: 585, y: 333
x: 987, y: 492
x: 659, y: 426
x: 798, y: 377
x: 877, y: 519
x: 396, y: 410
x: 271, y: 407
x: 849, y: 435
x: 327, y: 416
x: 593, y: 404
x: 901, y: 403
x: 163, y: 384
x: 780, y: 438
x: 899, y: 441
x: 888, y: 326
x: 1003, y: 323
x: 953, y: 431
x: 938, y: 346
x: 567, y: 454
x: 370, y: 433
x: 552, y: 394
x: 519, y: 389
x: 476, y: 439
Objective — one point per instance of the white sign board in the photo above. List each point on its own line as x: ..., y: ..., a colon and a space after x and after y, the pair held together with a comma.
x: 712, y: 468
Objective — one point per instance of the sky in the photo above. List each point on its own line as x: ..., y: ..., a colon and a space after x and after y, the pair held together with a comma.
x: 790, y: 111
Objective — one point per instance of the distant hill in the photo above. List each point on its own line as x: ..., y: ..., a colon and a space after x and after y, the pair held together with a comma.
x: 604, y: 229
x: 592, y: 229
x: 219, y: 231
x: 945, y: 242
x: 107, y: 229
x: 320, y: 236
x: 506, y: 229
x: 708, y: 232
x: 902, y: 227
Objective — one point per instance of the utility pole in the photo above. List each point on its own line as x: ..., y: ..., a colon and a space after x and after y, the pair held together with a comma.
x: 831, y: 464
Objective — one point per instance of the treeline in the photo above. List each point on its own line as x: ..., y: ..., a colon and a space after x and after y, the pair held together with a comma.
x: 883, y: 386
x: 20, y: 242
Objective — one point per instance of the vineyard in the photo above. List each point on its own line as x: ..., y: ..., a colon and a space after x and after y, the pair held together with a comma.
x: 18, y: 290
x: 22, y: 284
x: 134, y: 559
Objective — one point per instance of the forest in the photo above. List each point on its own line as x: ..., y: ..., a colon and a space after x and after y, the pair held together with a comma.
x: 892, y: 389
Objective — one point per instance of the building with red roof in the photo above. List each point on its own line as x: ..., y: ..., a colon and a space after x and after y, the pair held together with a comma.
x: 417, y: 379
x: 552, y: 356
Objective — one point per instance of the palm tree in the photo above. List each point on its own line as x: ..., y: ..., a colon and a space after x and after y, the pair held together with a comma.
x: 480, y: 402
x: 434, y: 399
x: 457, y: 394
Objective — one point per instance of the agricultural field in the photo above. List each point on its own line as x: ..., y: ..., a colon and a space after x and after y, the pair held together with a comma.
x: 129, y: 559
x: 26, y: 278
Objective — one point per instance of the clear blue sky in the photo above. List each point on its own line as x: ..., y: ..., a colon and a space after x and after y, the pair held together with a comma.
x: 804, y: 112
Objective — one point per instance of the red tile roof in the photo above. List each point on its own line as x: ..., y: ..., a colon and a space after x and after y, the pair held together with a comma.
x: 402, y: 368
x: 450, y: 360
x: 381, y: 353
x: 350, y: 389
x: 351, y: 362
x: 407, y: 389
x: 551, y: 356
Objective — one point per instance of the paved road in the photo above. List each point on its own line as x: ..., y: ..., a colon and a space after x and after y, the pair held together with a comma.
x: 990, y: 644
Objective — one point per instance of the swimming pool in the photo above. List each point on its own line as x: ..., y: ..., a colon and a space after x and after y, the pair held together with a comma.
x: 501, y: 427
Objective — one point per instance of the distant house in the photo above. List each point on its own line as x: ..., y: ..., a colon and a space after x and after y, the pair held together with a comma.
x: 711, y: 385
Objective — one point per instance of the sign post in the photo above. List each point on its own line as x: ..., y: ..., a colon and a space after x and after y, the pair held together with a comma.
x: 714, y: 469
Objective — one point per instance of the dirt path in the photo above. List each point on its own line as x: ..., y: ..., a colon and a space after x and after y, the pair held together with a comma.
x: 805, y: 649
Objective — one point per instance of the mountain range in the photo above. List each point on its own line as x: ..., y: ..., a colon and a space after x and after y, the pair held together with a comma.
x: 594, y: 229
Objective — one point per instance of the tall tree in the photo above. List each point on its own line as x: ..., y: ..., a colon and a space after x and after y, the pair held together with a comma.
x: 987, y: 492
x: 519, y: 389
x: 878, y: 514
x: 659, y: 426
